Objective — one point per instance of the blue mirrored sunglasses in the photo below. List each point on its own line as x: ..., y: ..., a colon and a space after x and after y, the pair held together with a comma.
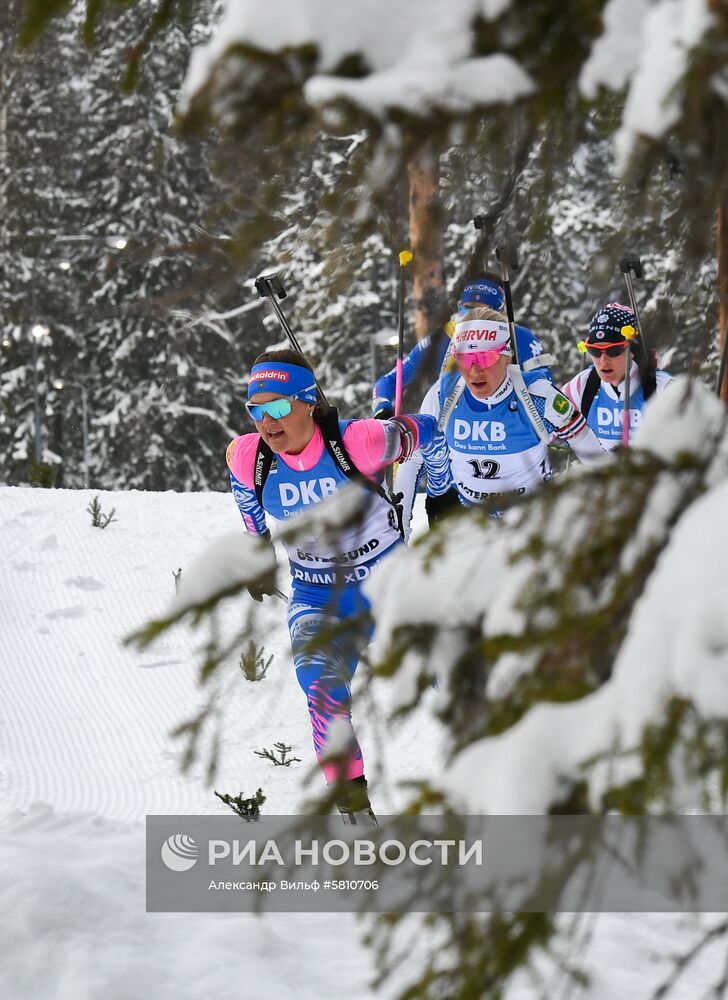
x: 276, y: 408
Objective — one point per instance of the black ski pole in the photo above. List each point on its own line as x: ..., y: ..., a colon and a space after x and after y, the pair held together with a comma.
x: 627, y: 395
x: 506, y: 256
x: 269, y: 285
x: 508, y: 260
x: 628, y: 264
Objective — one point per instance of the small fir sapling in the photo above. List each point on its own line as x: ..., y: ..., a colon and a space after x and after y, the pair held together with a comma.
x: 247, y: 808
x: 278, y: 755
x: 98, y: 518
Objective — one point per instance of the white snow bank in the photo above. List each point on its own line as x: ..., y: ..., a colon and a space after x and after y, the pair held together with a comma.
x: 85, y: 722
x: 417, y: 51
x: 85, y: 726
x: 73, y: 927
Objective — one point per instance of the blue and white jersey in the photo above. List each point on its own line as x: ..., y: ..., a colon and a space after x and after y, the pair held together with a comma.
x: 357, y: 549
x: 494, y: 448
x: 606, y: 412
x: 297, y: 483
x: 493, y: 445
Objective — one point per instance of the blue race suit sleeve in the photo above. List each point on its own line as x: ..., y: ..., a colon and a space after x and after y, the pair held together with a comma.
x: 384, y: 387
x: 434, y: 451
x: 559, y: 415
x: 252, y: 513
x: 531, y: 354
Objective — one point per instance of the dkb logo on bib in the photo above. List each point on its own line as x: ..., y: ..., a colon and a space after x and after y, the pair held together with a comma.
x: 613, y: 418
x: 307, y: 491
x: 479, y: 430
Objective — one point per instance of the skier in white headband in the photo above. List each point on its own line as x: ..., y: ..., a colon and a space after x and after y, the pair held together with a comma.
x: 498, y: 421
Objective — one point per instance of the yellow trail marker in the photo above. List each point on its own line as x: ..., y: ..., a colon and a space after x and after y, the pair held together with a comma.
x: 405, y: 256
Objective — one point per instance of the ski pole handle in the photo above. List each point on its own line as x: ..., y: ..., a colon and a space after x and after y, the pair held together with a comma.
x: 628, y: 264
x: 269, y: 285
x: 631, y: 262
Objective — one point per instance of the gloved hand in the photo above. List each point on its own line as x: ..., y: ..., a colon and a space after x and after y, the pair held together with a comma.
x: 264, y: 585
x: 439, y: 507
x: 383, y: 409
x: 264, y: 588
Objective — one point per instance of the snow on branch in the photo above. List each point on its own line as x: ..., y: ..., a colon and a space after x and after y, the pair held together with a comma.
x: 227, y: 566
x: 413, y: 55
x: 646, y: 46
x: 434, y: 61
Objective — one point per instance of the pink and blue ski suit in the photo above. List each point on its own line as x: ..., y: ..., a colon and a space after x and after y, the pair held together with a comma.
x: 327, y: 585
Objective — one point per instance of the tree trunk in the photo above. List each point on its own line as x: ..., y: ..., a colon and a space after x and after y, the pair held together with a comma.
x: 723, y: 285
x: 425, y: 230
x: 57, y: 428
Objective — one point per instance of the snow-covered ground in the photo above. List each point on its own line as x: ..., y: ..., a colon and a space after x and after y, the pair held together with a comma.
x: 85, y: 753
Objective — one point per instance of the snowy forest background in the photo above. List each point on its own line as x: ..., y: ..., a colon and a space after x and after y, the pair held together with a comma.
x: 568, y: 682
x: 162, y: 332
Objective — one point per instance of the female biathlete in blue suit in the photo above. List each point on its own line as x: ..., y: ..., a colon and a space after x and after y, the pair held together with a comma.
x: 485, y: 290
x: 599, y: 389
x: 497, y: 420
x: 299, y: 455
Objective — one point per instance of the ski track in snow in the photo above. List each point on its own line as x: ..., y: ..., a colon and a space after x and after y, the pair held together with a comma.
x: 85, y: 746
x: 87, y: 721
x: 89, y: 725
x: 86, y: 752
